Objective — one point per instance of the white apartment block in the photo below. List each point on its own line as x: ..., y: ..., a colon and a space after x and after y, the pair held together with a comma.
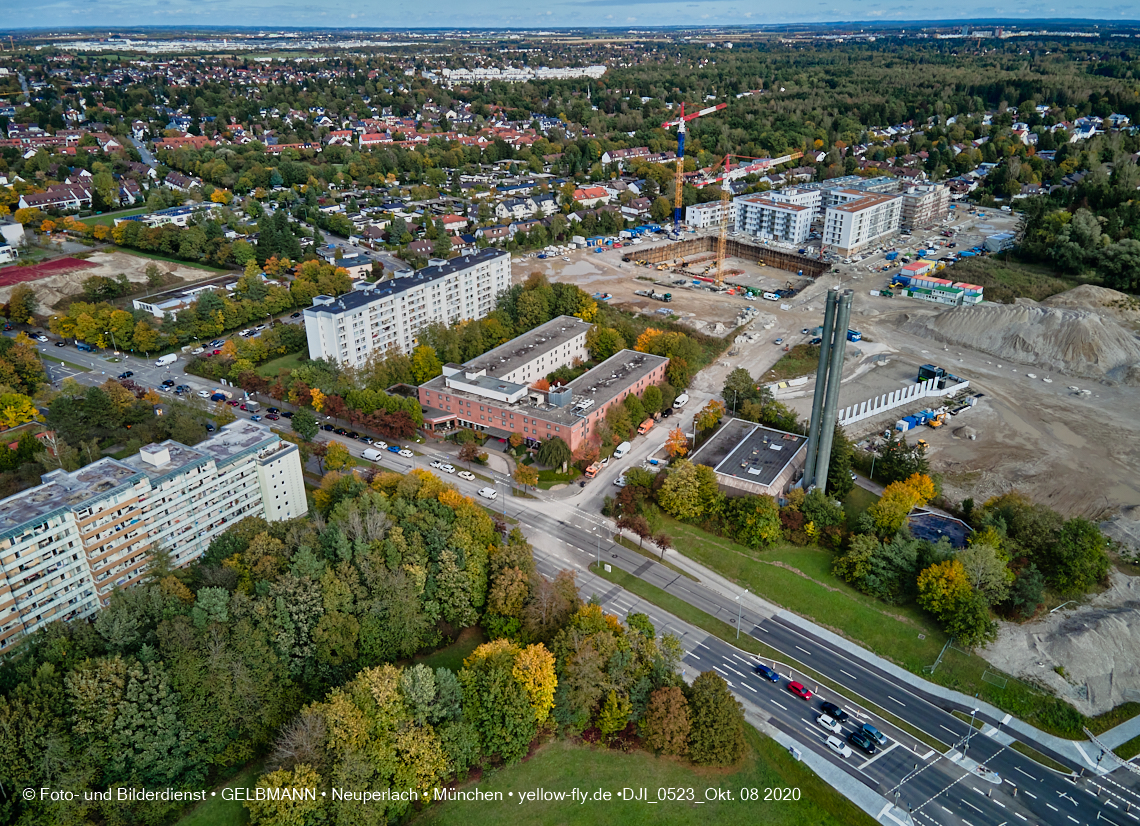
x: 761, y: 216
x: 849, y: 228
x: 68, y: 543
x: 703, y: 216
x: 812, y: 198
x: 391, y: 313
x: 924, y: 204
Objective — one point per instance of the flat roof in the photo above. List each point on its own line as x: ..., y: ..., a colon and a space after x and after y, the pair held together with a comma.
x: 234, y: 438
x: 749, y: 451
x: 368, y: 293
x: 601, y: 384
x: 529, y: 346
x: 64, y: 491
x: 866, y: 202
x: 767, y: 201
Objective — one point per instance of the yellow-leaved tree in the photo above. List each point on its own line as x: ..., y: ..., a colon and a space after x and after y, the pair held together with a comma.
x: 318, y: 399
x: 534, y: 671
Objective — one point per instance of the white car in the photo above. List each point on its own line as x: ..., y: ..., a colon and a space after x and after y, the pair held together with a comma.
x: 203, y: 394
x: 829, y: 723
x: 621, y: 481
x: 488, y: 493
x: 41, y: 338
x: 447, y: 468
x: 838, y: 746
x: 468, y: 475
x: 437, y: 464
x: 407, y: 454
x: 380, y: 445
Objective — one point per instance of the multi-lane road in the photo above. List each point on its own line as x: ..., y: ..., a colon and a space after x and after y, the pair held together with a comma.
x: 972, y: 780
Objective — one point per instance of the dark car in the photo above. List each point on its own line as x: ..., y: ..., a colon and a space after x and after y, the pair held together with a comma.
x: 834, y: 711
x: 168, y: 382
x: 272, y: 410
x: 288, y: 414
x: 352, y: 434
x: 767, y: 673
x: 799, y: 690
x: 817, y: 340
x: 666, y: 413
x: 295, y: 315
x: 862, y: 742
x: 272, y: 417
x: 217, y: 397
x: 340, y: 431
x: 210, y: 428
x: 126, y: 374
x: 874, y: 734
x: 327, y: 427
x: 233, y: 403
x: 57, y: 344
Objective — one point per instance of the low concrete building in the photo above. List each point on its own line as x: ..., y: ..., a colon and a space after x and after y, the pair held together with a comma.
x: 750, y: 459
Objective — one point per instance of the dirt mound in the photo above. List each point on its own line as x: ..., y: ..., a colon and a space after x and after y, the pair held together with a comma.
x: 1078, y: 342
x: 1089, y: 656
x: 1116, y: 305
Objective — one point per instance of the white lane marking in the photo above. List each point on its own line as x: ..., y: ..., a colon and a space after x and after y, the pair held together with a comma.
x: 734, y: 671
x: 871, y: 760
x: 946, y: 729
x: 694, y: 656
x: 1070, y: 817
x: 1031, y: 794
x: 1027, y: 774
x: 777, y: 705
x: 849, y: 674
x: 750, y: 688
x: 900, y: 702
x: 972, y: 806
x: 1023, y: 817
x: 1051, y: 806
x: 804, y: 650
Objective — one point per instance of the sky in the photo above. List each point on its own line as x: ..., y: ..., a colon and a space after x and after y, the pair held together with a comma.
x: 527, y: 13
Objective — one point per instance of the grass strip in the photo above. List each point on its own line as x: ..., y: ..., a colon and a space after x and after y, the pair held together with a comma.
x: 1129, y: 749
x: 694, y: 616
x: 78, y: 367
x: 626, y: 542
x: 1037, y: 757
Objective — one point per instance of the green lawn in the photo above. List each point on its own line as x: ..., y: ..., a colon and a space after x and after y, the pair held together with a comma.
x: 1128, y: 750
x: 799, y: 361
x: 452, y: 656
x: 562, y: 765
x: 216, y: 811
x: 856, y: 503
x: 79, y: 367
x: 549, y: 478
x: 107, y: 219
x: 287, y: 362
x: 1005, y: 280
x: 141, y: 254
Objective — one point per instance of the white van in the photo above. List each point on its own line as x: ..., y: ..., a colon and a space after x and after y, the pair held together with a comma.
x: 166, y: 361
x: 622, y: 449
x: 681, y: 401
x: 372, y: 454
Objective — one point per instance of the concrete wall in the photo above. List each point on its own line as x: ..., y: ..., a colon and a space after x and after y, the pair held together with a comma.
x: 790, y: 261
x: 881, y: 404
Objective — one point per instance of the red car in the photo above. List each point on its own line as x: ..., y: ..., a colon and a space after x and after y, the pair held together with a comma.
x: 272, y: 417
x: 243, y: 407
x: 216, y: 352
x: 233, y: 404
x: 799, y: 690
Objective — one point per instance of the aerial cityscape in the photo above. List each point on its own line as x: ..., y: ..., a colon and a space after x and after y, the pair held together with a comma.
x: 620, y: 416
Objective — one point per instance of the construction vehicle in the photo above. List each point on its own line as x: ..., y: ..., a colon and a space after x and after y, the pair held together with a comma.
x: 936, y: 420
x: 680, y: 164
x: 592, y: 470
x: 645, y: 426
x: 921, y: 443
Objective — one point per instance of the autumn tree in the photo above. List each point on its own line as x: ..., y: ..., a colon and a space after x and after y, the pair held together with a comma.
x: 496, y: 703
x: 942, y: 586
x: 525, y: 475
x: 614, y: 714
x: 897, y: 501
x: 710, y: 415
x: 337, y: 456
x: 677, y: 444
x: 665, y: 725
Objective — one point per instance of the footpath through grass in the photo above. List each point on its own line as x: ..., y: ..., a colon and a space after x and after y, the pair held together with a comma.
x: 561, y: 766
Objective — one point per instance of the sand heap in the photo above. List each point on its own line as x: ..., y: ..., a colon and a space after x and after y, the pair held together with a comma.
x: 1079, y: 342
x: 1109, y: 303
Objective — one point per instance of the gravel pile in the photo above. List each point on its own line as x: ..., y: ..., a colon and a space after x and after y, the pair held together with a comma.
x: 1078, y: 342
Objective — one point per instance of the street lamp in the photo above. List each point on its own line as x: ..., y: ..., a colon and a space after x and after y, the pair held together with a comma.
x: 738, y: 596
x: 112, y: 335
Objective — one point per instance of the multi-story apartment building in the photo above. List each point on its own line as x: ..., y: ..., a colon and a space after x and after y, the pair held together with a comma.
x: 850, y: 227
x: 924, y: 204
x: 66, y: 544
x: 391, y: 313
x: 702, y: 216
x: 763, y: 216
x: 493, y: 393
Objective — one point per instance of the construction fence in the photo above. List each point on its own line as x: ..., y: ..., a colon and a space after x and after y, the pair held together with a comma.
x: 790, y: 261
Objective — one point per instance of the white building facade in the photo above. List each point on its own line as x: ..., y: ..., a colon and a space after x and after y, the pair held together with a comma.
x: 703, y: 216
x: 762, y: 216
x: 392, y: 313
x: 851, y: 227
x: 68, y: 543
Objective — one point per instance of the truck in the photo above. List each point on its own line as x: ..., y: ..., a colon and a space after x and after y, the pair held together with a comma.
x: 622, y: 449
x: 591, y: 471
x: 681, y: 401
x: 666, y: 297
x: 372, y: 454
x: 892, y: 255
x: 645, y: 427
x: 252, y: 406
x: 166, y: 361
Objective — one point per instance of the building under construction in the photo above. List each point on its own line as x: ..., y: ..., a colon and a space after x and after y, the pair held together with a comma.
x: 790, y: 261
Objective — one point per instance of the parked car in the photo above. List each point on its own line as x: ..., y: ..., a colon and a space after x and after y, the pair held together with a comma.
x: 838, y: 746
x: 366, y: 439
x: 272, y: 410
x: 779, y: 341
x: 436, y: 463
x: 391, y: 448
x: 767, y: 673
x: 407, y: 454
x: 799, y: 690
x: 127, y: 374
x: 41, y: 338
x: 829, y: 723
x: 295, y: 315
x: 666, y: 413
x: 255, y: 418
x: 243, y: 407
x: 832, y: 710
x: 328, y: 428
x: 57, y: 344
x: 488, y: 493
x: 218, y: 342
x: 168, y: 382
x: 273, y: 417
x: 466, y: 474
x: 874, y: 734
x: 288, y: 414
x: 447, y: 468
x: 203, y: 394
x: 862, y: 742
x: 233, y: 402
x: 380, y: 444
x: 340, y: 431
